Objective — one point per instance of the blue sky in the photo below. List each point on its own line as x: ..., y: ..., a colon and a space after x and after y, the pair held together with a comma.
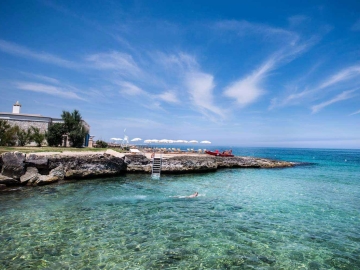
x: 264, y: 73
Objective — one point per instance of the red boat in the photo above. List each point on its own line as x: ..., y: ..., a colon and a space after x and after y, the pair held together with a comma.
x: 220, y: 154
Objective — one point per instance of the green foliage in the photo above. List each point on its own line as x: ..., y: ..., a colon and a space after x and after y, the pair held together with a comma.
x: 101, y: 144
x: 54, y: 136
x: 36, y: 136
x: 7, y: 134
x: 74, y: 128
x: 23, y: 136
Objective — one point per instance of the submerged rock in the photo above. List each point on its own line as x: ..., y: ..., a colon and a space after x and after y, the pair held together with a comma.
x: 13, y: 164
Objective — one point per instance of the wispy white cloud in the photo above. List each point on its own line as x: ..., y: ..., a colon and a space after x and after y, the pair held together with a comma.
x: 180, y: 60
x: 41, y: 77
x: 122, y: 62
x: 130, y: 89
x: 357, y: 112
x: 168, y: 96
x: 47, y: 89
x: 247, y: 28
x: 340, y: 77
x: 247, y: 90
x: 17, y: 50
x: 200, y: 87
x: 343, y: 96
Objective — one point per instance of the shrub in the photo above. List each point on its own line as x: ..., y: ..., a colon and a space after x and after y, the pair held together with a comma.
x: 7, y: 134
x: 36, y: 136
x: 23, y: 136
x: 101, y: 144
x: 54, y: 136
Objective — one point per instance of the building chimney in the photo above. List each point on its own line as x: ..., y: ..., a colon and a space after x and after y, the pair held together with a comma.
x: 16, y: 107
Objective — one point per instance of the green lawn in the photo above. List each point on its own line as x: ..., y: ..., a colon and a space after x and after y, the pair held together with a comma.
x: 33, y: 149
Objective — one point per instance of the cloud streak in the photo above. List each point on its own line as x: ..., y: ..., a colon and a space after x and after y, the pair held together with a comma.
x: 342, y: 76
x: 246, y: 28
x: 17, y: 50
x: 200, y: 87
x: 343, y: 96
x: 121, y: 62
x: 168, y: 96
x: 247, y: 90
x: 47, y: 89
x: 357, y: 112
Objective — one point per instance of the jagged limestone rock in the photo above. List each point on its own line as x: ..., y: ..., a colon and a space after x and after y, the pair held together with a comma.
x: 87, y: 166
x: 6, y: 180
x: 40, y: 162
x: 13, y: 164
x: 188, y: 164
x: 55, y: 175
x: 137, y: 163
x: 31, y: 175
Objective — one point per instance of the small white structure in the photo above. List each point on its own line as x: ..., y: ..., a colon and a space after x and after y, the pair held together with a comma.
x: 16, y: 107
x: 134, y: 151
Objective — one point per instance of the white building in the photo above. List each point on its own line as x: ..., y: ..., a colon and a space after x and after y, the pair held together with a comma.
x: 24, y: 121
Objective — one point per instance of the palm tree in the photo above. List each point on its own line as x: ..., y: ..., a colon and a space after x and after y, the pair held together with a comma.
x: 74, y: 128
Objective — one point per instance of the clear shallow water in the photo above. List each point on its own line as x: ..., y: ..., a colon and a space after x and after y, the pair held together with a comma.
x: 307, y: 217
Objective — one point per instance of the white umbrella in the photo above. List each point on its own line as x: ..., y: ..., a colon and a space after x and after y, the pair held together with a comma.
x: 136, y: 139
x: 193, y: 141
x: 205, y: 142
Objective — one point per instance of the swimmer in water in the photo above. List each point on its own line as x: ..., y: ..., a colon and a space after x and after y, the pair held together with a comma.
x: 188, y: 197
x: 193, y: 195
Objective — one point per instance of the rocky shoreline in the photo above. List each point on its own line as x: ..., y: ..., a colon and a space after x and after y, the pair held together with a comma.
x: 45, y: 168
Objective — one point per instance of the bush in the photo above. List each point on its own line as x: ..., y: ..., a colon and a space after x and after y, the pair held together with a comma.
x: 101, y: 144
x: 54, y: 136
x: 7, y: 134
x: 23, y: 136
x: 36, y: 136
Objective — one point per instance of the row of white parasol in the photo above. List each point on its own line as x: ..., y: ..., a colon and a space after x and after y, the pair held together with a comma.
x: 161, y: 141
x: 120, y: 139
x: 173, y: 141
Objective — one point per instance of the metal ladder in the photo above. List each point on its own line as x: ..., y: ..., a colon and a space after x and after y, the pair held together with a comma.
x: 156, y: 166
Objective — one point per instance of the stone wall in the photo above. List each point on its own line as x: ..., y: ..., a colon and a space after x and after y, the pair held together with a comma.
x: 43, y: 126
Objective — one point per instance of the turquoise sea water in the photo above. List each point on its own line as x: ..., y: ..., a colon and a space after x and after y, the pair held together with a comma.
x: 307, y: 217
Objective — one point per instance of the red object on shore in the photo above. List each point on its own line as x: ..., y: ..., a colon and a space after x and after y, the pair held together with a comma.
x: 218, y: 154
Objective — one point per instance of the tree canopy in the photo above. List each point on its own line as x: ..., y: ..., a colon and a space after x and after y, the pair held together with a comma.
x: 74, y: 127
